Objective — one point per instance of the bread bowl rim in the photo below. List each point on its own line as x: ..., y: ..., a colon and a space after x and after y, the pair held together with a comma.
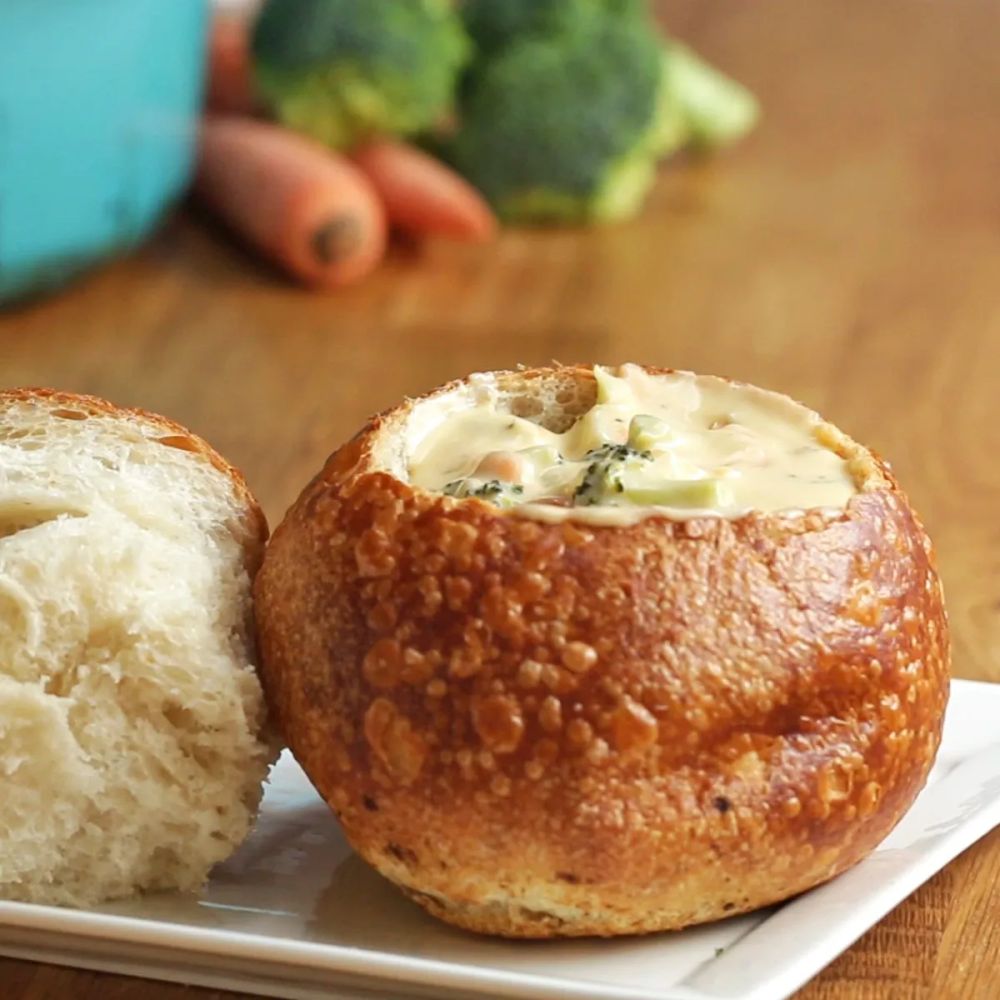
x: 868, y: 470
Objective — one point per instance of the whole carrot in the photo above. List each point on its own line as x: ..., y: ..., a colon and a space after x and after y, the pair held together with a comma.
x: 422, y: 196
x: 310, y: 210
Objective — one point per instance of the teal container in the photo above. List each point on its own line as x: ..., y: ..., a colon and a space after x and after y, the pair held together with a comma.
x: 98, y: 114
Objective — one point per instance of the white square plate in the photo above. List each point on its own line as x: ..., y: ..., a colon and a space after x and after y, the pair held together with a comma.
x: 295, y: 914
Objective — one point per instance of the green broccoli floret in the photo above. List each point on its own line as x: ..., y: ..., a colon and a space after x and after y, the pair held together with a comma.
x: 342, y: 70
x: 603, y: 476
x: 493, y: 23
x: 562, y: 127
x: 570, y: 103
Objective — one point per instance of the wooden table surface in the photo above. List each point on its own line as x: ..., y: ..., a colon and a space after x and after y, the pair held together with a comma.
x: 848, y: 254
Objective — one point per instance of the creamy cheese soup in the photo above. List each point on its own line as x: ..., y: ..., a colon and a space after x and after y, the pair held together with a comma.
x: 677, y: 442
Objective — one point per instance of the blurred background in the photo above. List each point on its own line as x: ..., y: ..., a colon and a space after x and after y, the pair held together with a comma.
x: 843, y: 248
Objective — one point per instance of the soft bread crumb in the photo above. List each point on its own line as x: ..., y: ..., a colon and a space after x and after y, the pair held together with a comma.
x: 131, y: 718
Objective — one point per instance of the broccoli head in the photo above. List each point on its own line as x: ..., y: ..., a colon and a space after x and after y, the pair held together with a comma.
x: 562, y: 127
x: 493, y: 23
x: 603, y: 476
x: 342, y: 70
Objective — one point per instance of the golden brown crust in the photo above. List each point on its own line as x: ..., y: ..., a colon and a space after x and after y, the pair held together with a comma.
x: 562, y: 729
x: 174, y: 435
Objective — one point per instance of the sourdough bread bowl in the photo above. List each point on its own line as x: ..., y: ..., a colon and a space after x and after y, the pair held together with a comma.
x: 543, y: 719
x: 133, y: 741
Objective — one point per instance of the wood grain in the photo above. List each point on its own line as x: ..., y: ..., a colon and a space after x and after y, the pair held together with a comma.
x: 848, y: 253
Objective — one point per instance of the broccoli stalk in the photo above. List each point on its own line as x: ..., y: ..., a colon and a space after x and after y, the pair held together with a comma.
x: 699, y: 106
x: 344, y: 70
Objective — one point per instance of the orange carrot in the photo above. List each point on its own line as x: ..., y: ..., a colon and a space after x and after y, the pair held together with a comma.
x: 422, y: 195
x: 230, y: 88
x: 307, y: 208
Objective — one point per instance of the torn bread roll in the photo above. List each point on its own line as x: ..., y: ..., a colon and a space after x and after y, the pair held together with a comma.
x: 132, y: 723
x: 574, y: 651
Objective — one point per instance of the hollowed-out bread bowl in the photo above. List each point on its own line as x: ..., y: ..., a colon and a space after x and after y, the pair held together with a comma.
x: 542, y: 726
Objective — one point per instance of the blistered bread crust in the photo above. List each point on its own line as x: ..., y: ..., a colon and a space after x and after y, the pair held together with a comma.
x: 545, y: 729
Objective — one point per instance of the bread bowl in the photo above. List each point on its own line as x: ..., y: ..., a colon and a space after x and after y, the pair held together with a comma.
x: 546, y: 719
x: 133, y: 741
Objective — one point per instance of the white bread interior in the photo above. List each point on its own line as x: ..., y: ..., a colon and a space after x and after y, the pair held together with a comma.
x: 132, y: 732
